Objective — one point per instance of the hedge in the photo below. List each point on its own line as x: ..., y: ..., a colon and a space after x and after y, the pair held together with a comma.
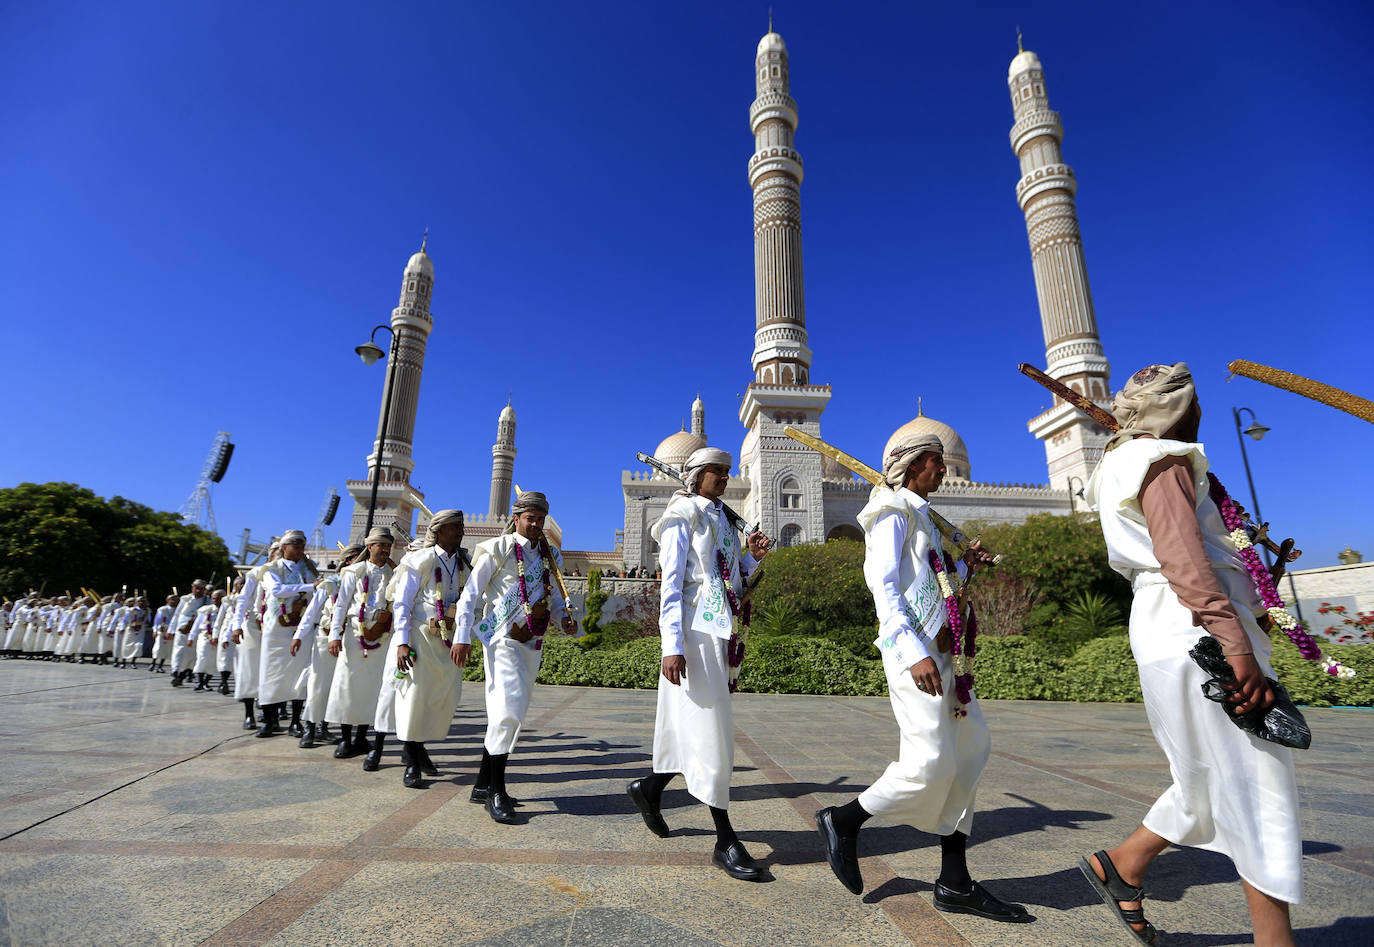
x: 1016, y: 667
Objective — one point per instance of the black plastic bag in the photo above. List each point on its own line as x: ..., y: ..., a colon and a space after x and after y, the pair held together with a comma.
x: 1282, y: 723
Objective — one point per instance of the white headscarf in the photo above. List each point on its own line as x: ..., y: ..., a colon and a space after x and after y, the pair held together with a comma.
x: 904, y: 454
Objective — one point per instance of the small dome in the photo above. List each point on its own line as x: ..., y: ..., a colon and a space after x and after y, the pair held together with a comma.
x: 1024, y: 62
x: 421, y: 263
x: 507, y: 413
x: 676, y: 448
x: 956, y: 454
x: 771, y: 41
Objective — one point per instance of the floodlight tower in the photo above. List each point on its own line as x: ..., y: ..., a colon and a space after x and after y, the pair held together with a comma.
x: 327, y: 511
x: 197, y: 509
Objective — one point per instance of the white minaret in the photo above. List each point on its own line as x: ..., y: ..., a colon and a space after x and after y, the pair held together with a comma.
x: 1073, y: 351
x: 502, y: 463
x: 783, y: 476
x: 699, y: 417
x: 411, y: 322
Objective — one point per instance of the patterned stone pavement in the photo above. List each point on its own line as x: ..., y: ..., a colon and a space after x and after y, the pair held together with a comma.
x: 135, y: 813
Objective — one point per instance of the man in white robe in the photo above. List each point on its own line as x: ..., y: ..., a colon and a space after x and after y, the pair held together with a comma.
x: 287, y: 585
x: 247, y: 637
x: 512, y: 584
x: 1232, y: 792
x: 183, y: 648
x: 944, y: 741
x: 424, y: 597
x: 203, y: 638
x: 694, y: 731
x: 314, y: 633
x: 359, y: 630
x: 135, y: 621
x: 163, y: 636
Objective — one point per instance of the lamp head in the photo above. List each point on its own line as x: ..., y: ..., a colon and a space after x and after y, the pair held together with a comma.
x: 1256, y: 430
x: 369, y: 352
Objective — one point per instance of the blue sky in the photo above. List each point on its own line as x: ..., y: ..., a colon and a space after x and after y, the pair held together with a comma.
x: 208, y: 205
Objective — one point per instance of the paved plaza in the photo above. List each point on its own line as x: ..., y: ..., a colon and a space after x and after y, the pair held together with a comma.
x: 135, y: 813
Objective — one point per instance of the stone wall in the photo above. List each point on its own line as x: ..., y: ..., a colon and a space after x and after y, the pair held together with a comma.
x: 1351, y: 586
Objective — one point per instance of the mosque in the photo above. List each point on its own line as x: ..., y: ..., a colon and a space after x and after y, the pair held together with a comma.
x: 793, y: 493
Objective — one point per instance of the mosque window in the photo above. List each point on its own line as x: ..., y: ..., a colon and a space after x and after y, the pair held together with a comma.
x: 790, y: 494
x: 791, y: 535
x: 776, y: 71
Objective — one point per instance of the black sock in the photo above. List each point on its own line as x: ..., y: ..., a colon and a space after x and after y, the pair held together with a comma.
x: 850, y: 817
x: 654, y: 784
x: 378, y: 739
x: 484, y: 772
x: 954, y: 863
x: 296, y: 707
x: 347, y: 729
x: 360, y: 732
x: 411, y: 750
x: 247, y: 708
x: 725, y: 832
x: 498, y: 772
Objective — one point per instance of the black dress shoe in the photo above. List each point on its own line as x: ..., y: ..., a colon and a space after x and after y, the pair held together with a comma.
x: 296, y: 730
x: 412, y: 778
x: 176, y: 680
x: 307, y: 738
x: 479, y: 796
x: 224, y: 689
x: 736, y: 863
x: 268, y: 729
x: 842, y: 851
x: 500, y: 808
x: 653, y: 818
x: 978, y: 900
x: 249, y: 723
x: 345, y: 750
x: 373, y: 762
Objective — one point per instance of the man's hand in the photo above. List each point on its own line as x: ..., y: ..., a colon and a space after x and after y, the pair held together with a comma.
x: 190, y: 643
x: 295, y: 646
x: 976, y: 556
x: 335, y: 647
x: 927, y: 677
x: 460, y: 653
x: 238, y: 635
x: 758, y: 544
x: 1251, y: 689
x: 569, y: 626
x: 405, y: 657
x: 675, y: 668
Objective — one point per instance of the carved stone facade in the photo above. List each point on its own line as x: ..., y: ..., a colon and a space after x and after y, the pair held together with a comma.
x: 1073, y: 351
x: 411, y: 323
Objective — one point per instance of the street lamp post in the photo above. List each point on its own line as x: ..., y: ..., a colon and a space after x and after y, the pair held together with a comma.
x: 1075, y: 493
x: 369, y: 352
x: 1257, y: 431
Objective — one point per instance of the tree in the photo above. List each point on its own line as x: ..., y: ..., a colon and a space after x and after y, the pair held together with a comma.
x: 60, y: 537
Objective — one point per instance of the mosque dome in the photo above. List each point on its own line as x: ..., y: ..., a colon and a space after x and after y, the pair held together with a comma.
x: 956, y: 454
x: 676, y: 448
x: 1024, y: 61
x: 832, y: 469
x: 507, y: 413
x: 771, y: 41
x: 421, y: 263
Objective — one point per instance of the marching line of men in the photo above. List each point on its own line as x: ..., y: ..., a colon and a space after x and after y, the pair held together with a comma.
x: 1232, y: 792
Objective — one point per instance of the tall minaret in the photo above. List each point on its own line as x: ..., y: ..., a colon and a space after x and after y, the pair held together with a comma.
x: 775, y: 175
x: 781, y: 392
x: 411, y: 323
x: 1073, y: 351
x: 699, y: 416
x: 502, y: 463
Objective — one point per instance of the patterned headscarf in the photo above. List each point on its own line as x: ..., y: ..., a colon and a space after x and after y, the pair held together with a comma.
x: 699, y: 460
x: 904, y: 454
x: 441, y: 518
x: 1153, y: 401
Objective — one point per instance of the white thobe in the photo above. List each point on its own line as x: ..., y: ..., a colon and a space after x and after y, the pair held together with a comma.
x: 182, y: 619
x: 1232, y: 792
x: 279, y: 672
x: 932, y: 784
x: 162, y: 632
x: 202, y: 638
x: 248, y: 620
x: 694, y: 727
x: 313, y: 633
x: 360, y: 670
x: 427, y: 696
x: 224, y: 629
x: 510, y: 666
x: 132, y: 628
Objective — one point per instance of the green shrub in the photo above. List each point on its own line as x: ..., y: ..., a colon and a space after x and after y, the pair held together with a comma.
x: 858, y: 640
x: 1102, y: 669
x: 1091, y: 615
x: 1015, y: 667
x: 824, y: 585
x: 1308, y: 684
x: 779, y: 618
x: 795, y: 664
x: 1063, y: 556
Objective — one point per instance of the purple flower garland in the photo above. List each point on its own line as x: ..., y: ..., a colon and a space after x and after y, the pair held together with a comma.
x: 734, y: 649
x: 961, y: 636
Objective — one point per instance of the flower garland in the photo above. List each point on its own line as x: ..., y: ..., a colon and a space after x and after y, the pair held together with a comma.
x: 961, y: 637
x: 439, y: 588
x: 739, y: 636
x: 1264, y: 582
x: 524, y: 592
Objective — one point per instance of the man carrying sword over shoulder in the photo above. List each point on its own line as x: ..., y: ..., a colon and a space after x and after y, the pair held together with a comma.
x: 704, y: 572
x: 944, y: 741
